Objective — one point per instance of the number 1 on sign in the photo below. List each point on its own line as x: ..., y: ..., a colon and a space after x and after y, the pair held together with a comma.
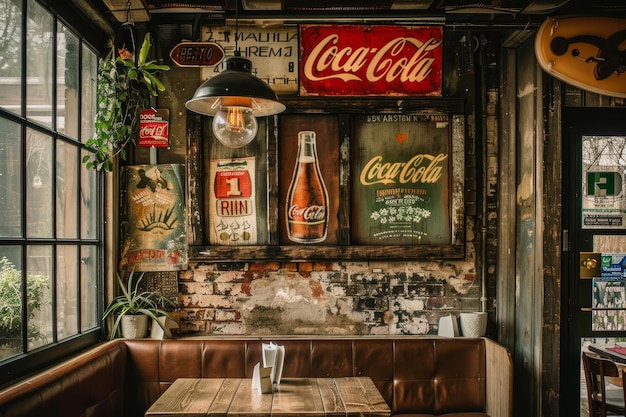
x: 233, y: 187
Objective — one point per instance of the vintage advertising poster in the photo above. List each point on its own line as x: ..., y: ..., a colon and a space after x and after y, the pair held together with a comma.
x: 154, y: 127
x: 153, y: 218
x: 401, y: 179
x: 604, y: 201
x: 364, y: 60
x: 308, y: 149
x: 232, y: 202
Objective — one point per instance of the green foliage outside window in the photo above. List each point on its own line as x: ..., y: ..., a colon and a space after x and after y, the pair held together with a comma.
x: 11, y: 304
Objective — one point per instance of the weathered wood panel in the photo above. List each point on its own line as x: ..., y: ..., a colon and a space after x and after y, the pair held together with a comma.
x: 311, y: 253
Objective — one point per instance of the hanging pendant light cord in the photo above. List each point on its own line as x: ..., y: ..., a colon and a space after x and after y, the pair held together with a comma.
x: 237, y: 52
x: 129, y: 17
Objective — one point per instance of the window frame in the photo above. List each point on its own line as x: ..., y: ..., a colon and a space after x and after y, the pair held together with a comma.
x: 30, y: 360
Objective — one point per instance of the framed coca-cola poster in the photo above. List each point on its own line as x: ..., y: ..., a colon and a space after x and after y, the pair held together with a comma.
x: 365, y: 60
x: 308, y: 148
x: 401, y: 179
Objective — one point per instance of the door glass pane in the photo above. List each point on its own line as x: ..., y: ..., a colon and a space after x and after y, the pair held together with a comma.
x: 39, y: 56
x: 604, y: 201
x: 39, y: 304
x: 39, y: 189
x: 10, y: 301
x: 67, y: 190
x: 88, y: 96
x: 11, y: 56
x: 67, y: 291
x: 67, y: 82
x: 88, y: 288
x: 10, y: 179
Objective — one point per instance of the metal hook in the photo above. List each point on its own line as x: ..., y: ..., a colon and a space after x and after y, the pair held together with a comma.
x: 129, y: 17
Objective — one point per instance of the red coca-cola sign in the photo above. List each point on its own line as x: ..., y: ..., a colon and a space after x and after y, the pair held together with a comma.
x: 355, y: 60
x: 154, y: 127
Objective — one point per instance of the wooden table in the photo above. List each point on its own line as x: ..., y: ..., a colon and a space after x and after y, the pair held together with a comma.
x: 306, y: 397
x: 615, y: 353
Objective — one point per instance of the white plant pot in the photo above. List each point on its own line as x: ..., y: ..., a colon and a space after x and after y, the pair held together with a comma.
x: 135, y: 326
x: 473, y: 324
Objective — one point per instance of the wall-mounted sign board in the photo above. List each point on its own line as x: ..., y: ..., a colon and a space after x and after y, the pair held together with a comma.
x: 197, y: 54
x: 585, y: 52
x: 273, y: 52
x: 361, y: 60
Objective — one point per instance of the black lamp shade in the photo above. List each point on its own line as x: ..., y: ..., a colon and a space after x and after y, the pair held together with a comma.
x: 236, y: 80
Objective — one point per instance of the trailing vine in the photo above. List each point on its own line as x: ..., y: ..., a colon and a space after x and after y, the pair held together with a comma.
x: 124, y: 89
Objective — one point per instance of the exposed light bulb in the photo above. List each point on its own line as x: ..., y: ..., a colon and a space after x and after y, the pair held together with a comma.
x: 235, y: 126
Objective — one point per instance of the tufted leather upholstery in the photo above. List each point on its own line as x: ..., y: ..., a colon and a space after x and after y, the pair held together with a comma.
x: 417, y: 376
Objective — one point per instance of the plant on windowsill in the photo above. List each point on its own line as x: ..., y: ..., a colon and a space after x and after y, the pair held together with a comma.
x: 133, y: 308
x: 11, y: 307
x: 124, y: 88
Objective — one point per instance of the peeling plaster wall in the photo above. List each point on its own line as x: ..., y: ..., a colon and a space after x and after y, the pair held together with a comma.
x: 339, y: 298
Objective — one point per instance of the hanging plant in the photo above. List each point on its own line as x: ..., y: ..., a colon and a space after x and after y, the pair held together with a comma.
x: 124, y: 88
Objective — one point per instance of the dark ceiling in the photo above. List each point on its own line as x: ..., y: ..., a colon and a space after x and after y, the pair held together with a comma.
x: 452, y: 10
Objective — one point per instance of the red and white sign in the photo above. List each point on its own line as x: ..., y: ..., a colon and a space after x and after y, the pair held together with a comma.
x: 354, y: 60
x: 154, y: 127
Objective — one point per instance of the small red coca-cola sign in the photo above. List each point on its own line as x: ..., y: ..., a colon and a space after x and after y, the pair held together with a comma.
x: 353, y: 60
x: 153, y: 127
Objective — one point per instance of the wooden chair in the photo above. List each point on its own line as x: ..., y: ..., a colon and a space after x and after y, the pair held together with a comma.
x: 602, y: 402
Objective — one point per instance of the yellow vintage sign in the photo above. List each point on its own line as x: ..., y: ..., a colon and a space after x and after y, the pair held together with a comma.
x: 586, y: 52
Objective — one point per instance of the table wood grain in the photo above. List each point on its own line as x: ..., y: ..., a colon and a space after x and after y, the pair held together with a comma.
x: 306, y: 397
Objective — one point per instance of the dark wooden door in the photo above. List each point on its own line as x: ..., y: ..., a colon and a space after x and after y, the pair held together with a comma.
x: 594, y: 222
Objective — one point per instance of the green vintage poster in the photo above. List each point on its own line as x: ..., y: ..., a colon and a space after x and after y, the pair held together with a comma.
x: 401, y: 179
x: 153, y: 219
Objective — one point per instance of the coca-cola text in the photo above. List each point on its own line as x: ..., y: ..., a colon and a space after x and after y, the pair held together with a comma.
x: 387, y: 62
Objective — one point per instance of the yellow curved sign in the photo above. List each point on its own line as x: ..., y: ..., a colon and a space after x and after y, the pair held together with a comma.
x: 586, y: 52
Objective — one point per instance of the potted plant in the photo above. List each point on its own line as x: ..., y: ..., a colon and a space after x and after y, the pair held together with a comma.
x: 133, y: 309
x: 124, y: 88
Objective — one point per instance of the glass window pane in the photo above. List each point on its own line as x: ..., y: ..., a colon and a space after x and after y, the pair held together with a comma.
x: 67, y: 82
x: 88, y: 96
x: 10, y: 302
x: 88, y: 287
x: 39, y: 189
x: 67, y: 190
x: 88, y: 202
x: 67, y: 291
x: 39, y: 297
x: 10, y: 179
x: 39, y: 61
x: 11, y: 56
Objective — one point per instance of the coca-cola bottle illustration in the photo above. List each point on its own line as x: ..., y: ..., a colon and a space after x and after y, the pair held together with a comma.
x: 307, y: 199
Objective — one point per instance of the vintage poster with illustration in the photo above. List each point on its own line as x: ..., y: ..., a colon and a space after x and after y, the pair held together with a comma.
x: 308, y: 149
x: 153, y: 217
x: 401, y: 177
x: 232, y: 202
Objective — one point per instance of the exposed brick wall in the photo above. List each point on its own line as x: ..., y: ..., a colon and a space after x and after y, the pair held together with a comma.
x: 333, y: 298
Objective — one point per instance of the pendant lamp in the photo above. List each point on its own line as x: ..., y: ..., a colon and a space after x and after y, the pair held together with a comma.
x: 235, y: 98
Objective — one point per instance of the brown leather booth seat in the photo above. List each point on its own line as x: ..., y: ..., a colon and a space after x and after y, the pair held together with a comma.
x: 417, y: 376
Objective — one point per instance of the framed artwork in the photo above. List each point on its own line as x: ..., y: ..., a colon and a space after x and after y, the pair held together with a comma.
x: 308, y: 202
x: 401, y: 179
